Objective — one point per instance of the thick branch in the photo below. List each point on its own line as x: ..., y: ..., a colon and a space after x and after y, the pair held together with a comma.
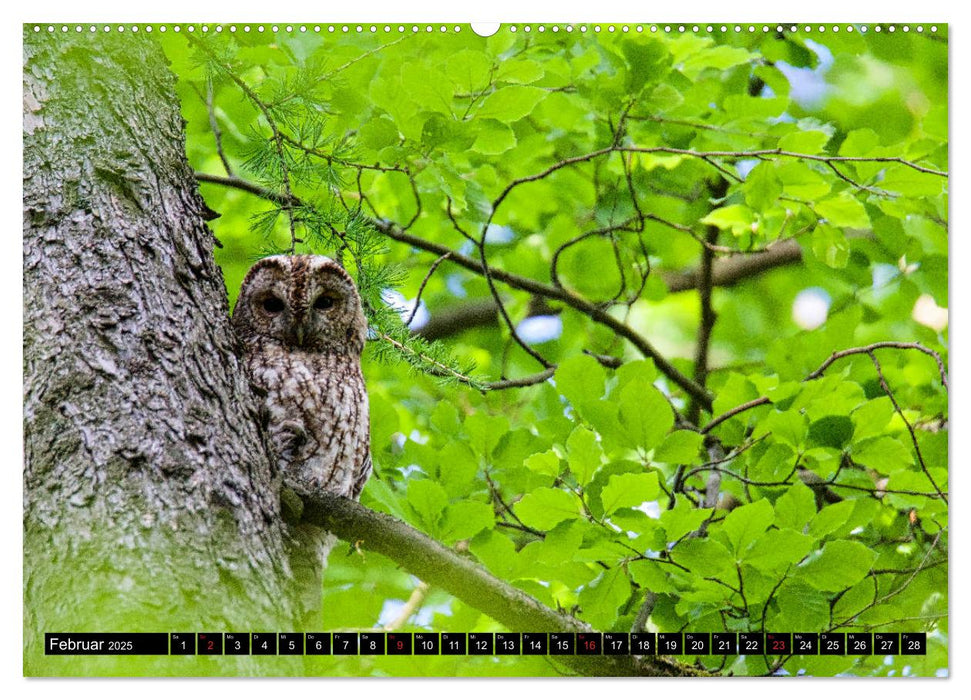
x: 459, y: 318
x: 439, y: 566
x: 728, y: 271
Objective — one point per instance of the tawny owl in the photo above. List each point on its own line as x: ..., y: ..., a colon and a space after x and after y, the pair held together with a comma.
x: 300, y: 320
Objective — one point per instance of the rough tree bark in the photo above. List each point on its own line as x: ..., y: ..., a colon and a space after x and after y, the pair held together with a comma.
x: 150, y: 502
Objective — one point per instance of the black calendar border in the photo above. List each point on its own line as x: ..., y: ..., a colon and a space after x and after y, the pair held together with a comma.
x: 496, y: 644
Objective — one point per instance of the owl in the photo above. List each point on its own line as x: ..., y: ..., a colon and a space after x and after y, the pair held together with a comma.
x: 300, y: 320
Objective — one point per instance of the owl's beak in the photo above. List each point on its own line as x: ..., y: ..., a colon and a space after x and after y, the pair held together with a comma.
x: 299, y: 332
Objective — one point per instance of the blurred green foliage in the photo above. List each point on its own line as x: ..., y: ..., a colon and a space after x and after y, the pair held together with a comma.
x: 587, y: 490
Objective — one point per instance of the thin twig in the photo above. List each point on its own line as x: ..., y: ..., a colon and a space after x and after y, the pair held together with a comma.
x: 455, y: 223
x: 857, y: 185
x: 530, y: 380
x: 899, y: 590
x: 487, y: 273
x: 214, y: 125
x: 910, y: 428
x: 761, y: 401
x: 563, y: 247
x: 421, y: 288
x: 868, y: 349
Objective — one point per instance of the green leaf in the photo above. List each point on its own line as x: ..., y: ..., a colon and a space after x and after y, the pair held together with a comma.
x: 831, y: 431
x: 795, y: 507
x: 790, y: 427
x: 775, y: 464
x: 427, y: 86
x: 883, y: 454
x: 497, y: 552
x: 519, y: 70
x: 428, y: 499
x: 545, y: 507
x: 860, y: 142
x: 906, y: 181
x: 839, y: 565
x: 703, y: 557
x: 831, y: 518
x: 802, y: 607
x: 642, y: 371
x: 648, y: 61
x: 560, y: 544
x: 485, y: 431
x: 645, y: 414
x: 801, y: 181
x: 811, y: 142
x: 745, y: 524
x: 493, y: 138
x: 384, y: 422
x: 468, y: 69
x: 762, y: 187
x: 460, y: 468
x: 718, y: 57
x: 736, y: 390
x: 378, y: 133
x: 830, y: 246
x: 682, y: 519
x: 844, y: 211
x: 599, y: 602
x: 664, y: 97
x: 511, y: 103
x: 445, y: 418
x: 777, y: 549
x: 871, y: 418
x: 580, y: 378
x: 584, y: 454
x: 628, y: 491
x: 736, y: 218
x: 680, y: 447
x: 652, y: 576
x: 545, y: 463
x: 466, y: 519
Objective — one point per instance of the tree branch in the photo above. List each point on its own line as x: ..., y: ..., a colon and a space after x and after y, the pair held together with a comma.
x: 439, y: 566
x: 868, y: 350
x: 910, y: 428
x: 715, y: 422
x: 731, y: 270
x: 708, y: 316
x: 458, y: 318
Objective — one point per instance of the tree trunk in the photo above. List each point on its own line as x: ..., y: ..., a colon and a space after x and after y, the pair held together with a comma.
x: 150, y: 501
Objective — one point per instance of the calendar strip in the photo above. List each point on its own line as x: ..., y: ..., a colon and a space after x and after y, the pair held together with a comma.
x: 487, y: 643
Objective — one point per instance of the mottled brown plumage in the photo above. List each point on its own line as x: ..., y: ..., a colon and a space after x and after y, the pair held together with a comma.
x: 300, y: 320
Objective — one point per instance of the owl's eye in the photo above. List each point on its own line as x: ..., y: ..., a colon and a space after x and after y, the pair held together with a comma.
x: 273, y: 305
x: 323, y: 302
